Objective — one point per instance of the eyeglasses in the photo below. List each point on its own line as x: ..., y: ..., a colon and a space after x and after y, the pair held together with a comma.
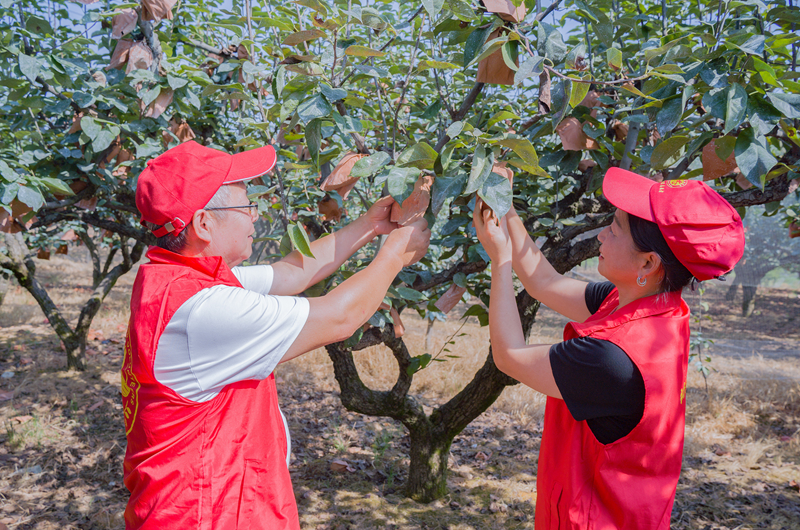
x: 252, y: 209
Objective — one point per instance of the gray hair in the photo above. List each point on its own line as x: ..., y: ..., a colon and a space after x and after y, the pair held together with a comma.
x: 176, y: 243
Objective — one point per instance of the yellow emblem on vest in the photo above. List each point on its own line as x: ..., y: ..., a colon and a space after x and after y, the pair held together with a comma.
x: 683, y: 392
x: 129, y: 387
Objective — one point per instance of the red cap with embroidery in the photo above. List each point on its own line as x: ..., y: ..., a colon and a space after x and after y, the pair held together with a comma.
x: 182, y: 180
x: 701, y: 228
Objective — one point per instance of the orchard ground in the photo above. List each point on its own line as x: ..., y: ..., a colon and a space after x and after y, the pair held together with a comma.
x: 62, y: 439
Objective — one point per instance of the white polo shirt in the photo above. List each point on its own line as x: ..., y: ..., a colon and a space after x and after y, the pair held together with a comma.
x: 224, y: 334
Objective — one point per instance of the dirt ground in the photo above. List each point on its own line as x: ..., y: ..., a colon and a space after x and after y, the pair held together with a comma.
x: 62, y: 439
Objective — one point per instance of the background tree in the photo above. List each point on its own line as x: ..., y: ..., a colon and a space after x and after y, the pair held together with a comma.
x: 432, y: 103
x: 768, y: 247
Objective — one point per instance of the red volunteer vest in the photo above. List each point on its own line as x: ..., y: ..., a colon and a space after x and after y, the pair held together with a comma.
x: 628, y: 484
x: 220, y: 464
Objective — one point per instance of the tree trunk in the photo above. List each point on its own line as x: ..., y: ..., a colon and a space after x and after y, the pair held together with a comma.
x: 427, y: 472
x: 748, y: 300
x: 3, y: 289
x: 730, y: 295
x: 76, y: 353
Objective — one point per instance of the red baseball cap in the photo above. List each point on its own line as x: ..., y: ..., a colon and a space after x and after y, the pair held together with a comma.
x: 183, y: 179
x: 701, y: 228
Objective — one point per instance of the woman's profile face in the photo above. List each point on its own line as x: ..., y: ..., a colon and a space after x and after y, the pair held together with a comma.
x: 619, y: 259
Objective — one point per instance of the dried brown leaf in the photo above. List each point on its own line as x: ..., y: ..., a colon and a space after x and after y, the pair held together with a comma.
x: 713, y: 166
x: 416, y: 204
x: 493, y: 69
x: 506, y: 10
x: 157, y: 10
x: 121, y: 53
x: 123, y: 23
x: 139, y: 57
x: 340, y: 179
x: 160, y: 104
x: 545, y: 98
x: 450, y: 299
x: 329, y: 209
x: 572, y: 136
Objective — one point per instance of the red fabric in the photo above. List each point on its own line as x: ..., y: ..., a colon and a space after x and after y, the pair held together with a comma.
x: 217, y: 464
x: 701, y: 228
x: 183, y: 179
x: 628, y: 484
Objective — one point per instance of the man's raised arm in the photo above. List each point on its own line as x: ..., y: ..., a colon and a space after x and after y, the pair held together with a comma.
x: 295, y: 273
x: 336, y: 316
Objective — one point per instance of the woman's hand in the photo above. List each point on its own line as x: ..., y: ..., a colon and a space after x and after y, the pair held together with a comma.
x: 492, y: 232
x: 378, y: 216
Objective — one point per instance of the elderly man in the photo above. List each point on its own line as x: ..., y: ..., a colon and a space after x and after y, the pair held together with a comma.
x: 208, y: 446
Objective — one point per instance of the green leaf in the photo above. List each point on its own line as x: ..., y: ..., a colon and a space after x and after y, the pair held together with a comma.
x: 550, y: 43
x: 104, y: 138
x: 446, y: 188
x: 313, y: 135
x: 496, y: 192
x: 303, y: 36
x: 788, y: 104
x: 57, y: 186
x: 455, y: 129
x: 176, y: 82
x: 30, y: 67
x: 667, y: 152
x: 400, y: 182
x: 90, y: 127
x: 332, y: 94
x: 475, y: 43
x: 754, y: 45
x: 299, y: 238
x: 313, y: 108
x: 462, y: 10
x: 410, y: 294
x: 501, y: 116
x: 576, y: 54
x: 525, y: 150
x: 614, y: 58
x: 533, y: 66
x: 669, y: 116
x: 316, y: 5
x: 579, y: 91
x: 370, y: 165
x: 761, y: 115
x: 633, y: 90
x: 490, y: 47
x: 482, y: 161
x: 420, y: 155
x: 31, y: 197
x: 753, y: 157
x: 371, y: 18
x: 363, y: 51
x: 433, y: 7
x: 150, y: 95
x: 510, y: 53
x: 735, y: 108
x: 439, y: 65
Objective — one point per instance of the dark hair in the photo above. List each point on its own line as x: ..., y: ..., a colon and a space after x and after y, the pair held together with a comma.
x: 647, y: 237
x: 170, y: 241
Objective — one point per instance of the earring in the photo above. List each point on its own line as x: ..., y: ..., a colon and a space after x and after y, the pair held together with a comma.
x: 641, y: 282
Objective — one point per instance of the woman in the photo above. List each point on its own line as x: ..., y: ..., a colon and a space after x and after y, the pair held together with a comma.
x: 614, y: 422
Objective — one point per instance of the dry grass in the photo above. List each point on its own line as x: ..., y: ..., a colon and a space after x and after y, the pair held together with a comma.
x: 741, y: 457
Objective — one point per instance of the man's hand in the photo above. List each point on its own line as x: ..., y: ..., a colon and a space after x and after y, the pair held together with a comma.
x: 377, y: 217
x: 492, y: 232
x: 409, y: 242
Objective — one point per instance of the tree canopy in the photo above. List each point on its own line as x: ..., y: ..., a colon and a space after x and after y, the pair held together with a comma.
x: 430, y: 102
